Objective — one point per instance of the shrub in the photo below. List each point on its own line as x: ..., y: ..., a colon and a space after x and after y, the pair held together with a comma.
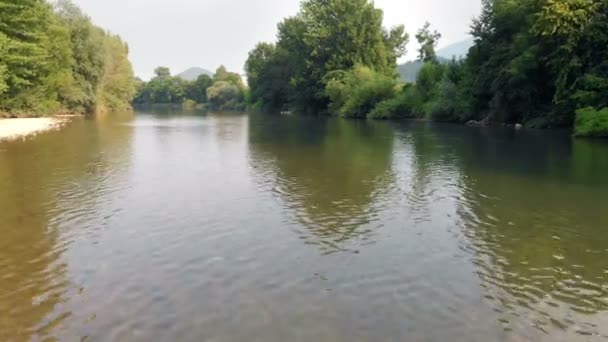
x: 591, y: 122
x: 448, y: 104
x: 223, y: 95
x: 189, y: 104
x: 386, y: 109
x: 357, y: 92
x: 406, y: 104
x: 428, y: 78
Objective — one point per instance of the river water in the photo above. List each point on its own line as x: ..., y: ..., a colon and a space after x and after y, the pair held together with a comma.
x: 231, y: 227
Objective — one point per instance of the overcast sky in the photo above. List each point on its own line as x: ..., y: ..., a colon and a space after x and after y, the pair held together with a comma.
x: 207, y: 33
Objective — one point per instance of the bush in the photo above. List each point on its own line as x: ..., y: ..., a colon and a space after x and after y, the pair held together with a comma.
x: 591, y: 122
x: 224, y: 95
x: 448, y: 104
x: 189, y: 104
x: 428, y: 78
x: 386, y: 109
x: 406, y: 104
x: 357, y: 92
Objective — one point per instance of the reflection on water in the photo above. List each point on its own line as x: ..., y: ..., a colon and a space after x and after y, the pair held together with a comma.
x: 533, y: 211
x: 48, y: 185
x: 229, y: 227
x: 330, y: 173
x: 538, y: 230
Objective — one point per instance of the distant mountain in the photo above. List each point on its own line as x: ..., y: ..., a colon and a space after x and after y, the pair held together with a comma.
x: 409, y: 70
x: 458, y: 50
x: 193, y: 73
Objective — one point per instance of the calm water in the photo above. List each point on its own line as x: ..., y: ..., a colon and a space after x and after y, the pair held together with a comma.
x: 225, y: 227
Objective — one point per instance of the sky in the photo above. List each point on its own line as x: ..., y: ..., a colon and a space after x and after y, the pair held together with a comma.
x: 208, y: 33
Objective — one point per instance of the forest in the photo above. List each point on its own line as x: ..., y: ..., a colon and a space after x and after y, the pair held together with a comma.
x: 536, y: 63
x: 54, y: 60
x: 224, y: 91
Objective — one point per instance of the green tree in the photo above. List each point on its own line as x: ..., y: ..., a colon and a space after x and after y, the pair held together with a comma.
x: 24, y: 26
x: 88, y: 56
x: 358, y: 92
x: 450, y: 101
x: 224, y: 95
x: 227, y: 92
x: 428, y: 41
x: 510, y: 81
x: 162, y: 72
x: 268, y: 76
x: 537, y: 62
x: 51, y: 58
x: 197, y: 89
x: 427, y: 80
x: 223, y: 75
x: 591, y: 122
x: 329, y: 36
x: 162, y: 89
x: 117, y: 86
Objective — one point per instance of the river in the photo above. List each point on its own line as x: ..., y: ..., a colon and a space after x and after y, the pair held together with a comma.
x: 233, y: 227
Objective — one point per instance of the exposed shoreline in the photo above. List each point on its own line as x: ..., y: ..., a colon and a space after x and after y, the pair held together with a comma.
x: 12, y: 129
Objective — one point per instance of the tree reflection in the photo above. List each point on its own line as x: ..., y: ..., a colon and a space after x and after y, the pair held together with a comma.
x: 41, y: 179
x: 534, y: 214
x: 328, y: 173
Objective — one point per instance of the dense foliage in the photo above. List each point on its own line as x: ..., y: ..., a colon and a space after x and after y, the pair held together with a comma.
x: 357, y: 93
x: 225, y: 91
x: 54, y: 59
x: 534, y: 62
x: 532, y: 59
x: 325, y: 39
x: 591, y: 122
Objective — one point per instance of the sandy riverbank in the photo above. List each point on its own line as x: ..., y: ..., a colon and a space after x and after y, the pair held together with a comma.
x: 19, y: 128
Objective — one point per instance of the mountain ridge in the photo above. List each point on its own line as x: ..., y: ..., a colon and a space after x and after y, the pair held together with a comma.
x: 459, y: 49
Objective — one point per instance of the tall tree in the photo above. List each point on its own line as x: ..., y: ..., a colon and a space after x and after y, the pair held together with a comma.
x: 88, y: 55
x: 268, y: 76
x: 162, y: 72
x: 51, y: 58
x: 197, y: 89
x: 329, y: 36
x: 428, y: 41
x: 117, y: 87
x: 23, y: 26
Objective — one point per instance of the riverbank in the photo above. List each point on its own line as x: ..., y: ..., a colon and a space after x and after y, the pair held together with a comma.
x: 11, y: 129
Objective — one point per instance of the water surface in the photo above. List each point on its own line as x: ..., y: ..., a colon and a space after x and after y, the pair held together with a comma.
x: 233, y: 227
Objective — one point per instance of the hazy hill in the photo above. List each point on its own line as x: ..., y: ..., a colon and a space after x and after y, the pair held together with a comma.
x: 458, y: 50
x: 193, y: 73
x: 408, y: 71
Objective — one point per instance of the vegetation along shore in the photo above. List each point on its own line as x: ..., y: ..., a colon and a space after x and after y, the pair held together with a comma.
x: 54, y: 60
x: 539, y: 64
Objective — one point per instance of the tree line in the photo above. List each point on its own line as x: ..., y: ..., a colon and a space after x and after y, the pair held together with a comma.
x: 224, y: 91
x: 541, y: 63
x: 53, y: 59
